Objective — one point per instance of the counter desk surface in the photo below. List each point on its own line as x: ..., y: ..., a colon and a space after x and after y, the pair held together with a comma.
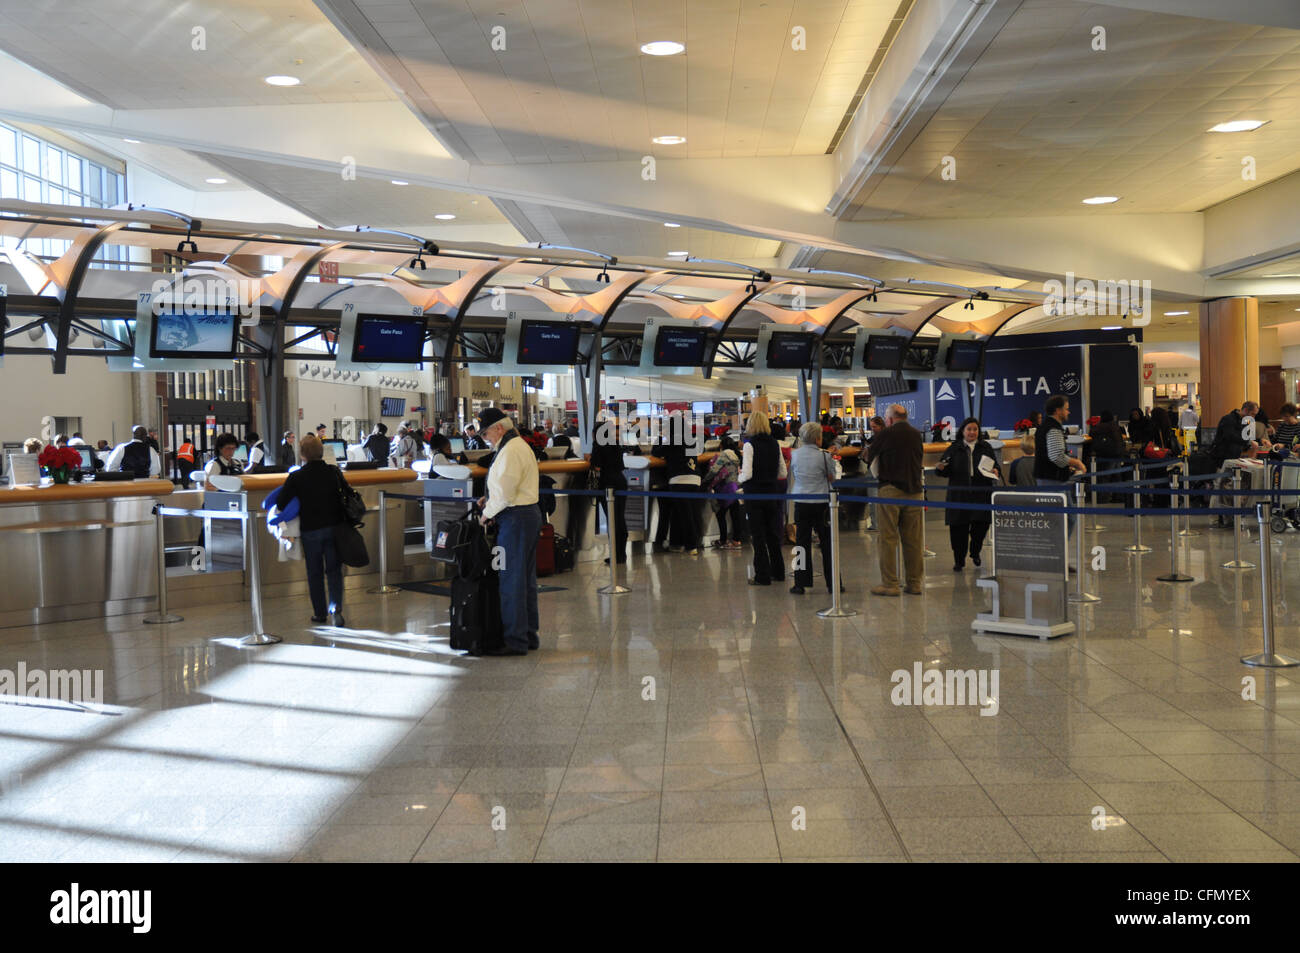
x: 87, y: 490
x: 266, y: 482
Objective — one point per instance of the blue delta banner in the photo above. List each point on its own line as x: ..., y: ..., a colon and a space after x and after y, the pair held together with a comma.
x: 1018, y: 381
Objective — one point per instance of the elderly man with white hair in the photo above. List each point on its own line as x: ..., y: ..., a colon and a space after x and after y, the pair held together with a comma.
x: 512, y: 484
x: 898, y: 452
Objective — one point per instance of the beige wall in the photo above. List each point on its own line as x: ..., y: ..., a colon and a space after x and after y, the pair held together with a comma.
x: 29, y: 390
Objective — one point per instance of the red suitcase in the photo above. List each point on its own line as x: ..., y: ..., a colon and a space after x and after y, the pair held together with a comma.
x: 546, y: 551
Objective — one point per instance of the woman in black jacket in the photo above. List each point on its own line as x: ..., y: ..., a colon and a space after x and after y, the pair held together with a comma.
x: 1139, y: 426
x: 318, y: 488
x: 966, y: 463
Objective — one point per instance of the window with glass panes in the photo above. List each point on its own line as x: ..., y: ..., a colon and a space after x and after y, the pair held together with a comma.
x: 34, y: 170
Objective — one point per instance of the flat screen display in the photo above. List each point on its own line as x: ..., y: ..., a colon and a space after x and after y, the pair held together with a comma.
x: 392, y: 406
x: 339, y: 448
x: 790, y: 350
x: 680, y: 347
x: 548, y: 342
x: 701, y: 406
x: 884, y: 353
x: 194, y: 334
x: 965, y: 356
x: 457, y: 444
x: 921, y: 356
x: 388, y: 339
x: 87, y: 458
x: 645, y: 409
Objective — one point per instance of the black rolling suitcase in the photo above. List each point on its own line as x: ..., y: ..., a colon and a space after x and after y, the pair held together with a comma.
x: 476, y: 625
x: 1200, y: 463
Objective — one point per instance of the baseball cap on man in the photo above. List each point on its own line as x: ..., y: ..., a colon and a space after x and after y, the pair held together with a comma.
x: 490, y: 416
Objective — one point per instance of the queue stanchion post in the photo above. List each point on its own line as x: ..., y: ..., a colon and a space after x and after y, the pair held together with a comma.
x: 1237, y: 562
x: 926, y: 550
x: 1092, y: 490
x: 260, y: 636
x: 1079, y: 595
x: 162, y: 616
x: 836, y: 611
x: 1187, y: 532
x: 383, y: 588
x: 1174, y: 575
x: 1137, y: 547
x: 1270, y: 657
x: 615, y: 588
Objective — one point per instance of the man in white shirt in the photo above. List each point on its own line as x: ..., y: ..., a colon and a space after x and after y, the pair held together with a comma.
x: 511, y: 501
x: 1187, y: 420
x: 133, y: 454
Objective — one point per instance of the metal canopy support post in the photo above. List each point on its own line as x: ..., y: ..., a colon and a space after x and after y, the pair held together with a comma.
x: 615, y: 588
x: 836, y: 611
x: 1173, y: 575
x: 162, y: 616
x: 1079, y: 596
x: 1237, y: 562
x: 1269, y: 658
x: 383, y: 588
x: 1095, y: 527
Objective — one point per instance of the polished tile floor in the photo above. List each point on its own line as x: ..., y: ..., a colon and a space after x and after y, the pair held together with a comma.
x: 696, y: 718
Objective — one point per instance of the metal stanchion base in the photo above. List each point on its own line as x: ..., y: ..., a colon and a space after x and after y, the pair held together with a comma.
x: 1270, y: 660
x: 834, y: 613
x: 930, y: 554
x: 1085, y: 597
x: 1237, y: 564
x: 613, y: 590
x: 162, y: 619
x: 1188, y: 533
x: 264, y: 638
x: 1175, y: 577
x: 1139, y: 550
x: 385, y: 590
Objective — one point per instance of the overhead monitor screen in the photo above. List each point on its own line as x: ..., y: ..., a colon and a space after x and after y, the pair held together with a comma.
x: 388, y: 339
x: 548, y: 342
x: 965, y: 356
x: 680, y: 347
x: 921, y: 356
x: 701, y: 406
x: 196, y: 334
x: 790, y: 350
x: 885, y: 353
x: 645, y: 409
x: 392, y: 406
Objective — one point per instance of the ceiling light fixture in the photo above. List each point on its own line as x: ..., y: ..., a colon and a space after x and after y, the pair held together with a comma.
x: 671, y: 225
x: 678, y: 254
x: 662, y: 48
x: 444, y: 216
x: 668, y: 140
x: 1101, y: 200
x: 1171, y: 314
x: 283, y: 81
x: 1239, y: 125
x: 134, y: 142
x: 216, y: 180
x: 400, y: 182
x: 1113, y: 327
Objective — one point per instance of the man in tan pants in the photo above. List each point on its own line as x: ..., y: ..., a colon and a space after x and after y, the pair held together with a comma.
x: 898, y: 451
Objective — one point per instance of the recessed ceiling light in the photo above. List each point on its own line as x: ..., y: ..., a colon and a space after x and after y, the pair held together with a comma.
x: 1238, y: 125
x: 283, y: 80
x: 678, y: 254
x: 134, y: 142
x: 663, y: 48
x: 215, y: 180
x: 400, y: 182
x: 668, y: 140
x: 671, y: 225
x: 1101, y: 200
x: 444, y: 216
x: 1171, y: 314
x: 1113, y: 327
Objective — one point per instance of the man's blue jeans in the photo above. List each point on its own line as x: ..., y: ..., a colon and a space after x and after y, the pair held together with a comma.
x: 517, y: 531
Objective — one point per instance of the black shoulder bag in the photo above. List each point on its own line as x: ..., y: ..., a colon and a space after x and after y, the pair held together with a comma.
x: 347, y: 540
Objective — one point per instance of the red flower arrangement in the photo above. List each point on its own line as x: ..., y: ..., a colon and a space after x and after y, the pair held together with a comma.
x: 59, y: 462
x: 1024, y: 426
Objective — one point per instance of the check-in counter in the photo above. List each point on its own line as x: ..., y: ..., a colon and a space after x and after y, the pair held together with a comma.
x: 207, y: 561
x: 78, y: 550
